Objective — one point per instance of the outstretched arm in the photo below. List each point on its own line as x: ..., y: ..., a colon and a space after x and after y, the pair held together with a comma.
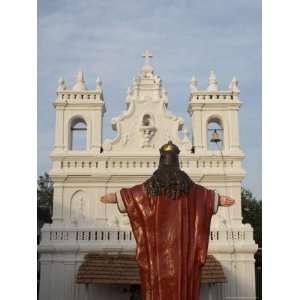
x: 221, y: 201
x: 114, y: 198
x: 109, y: 198
x: 226, y: 201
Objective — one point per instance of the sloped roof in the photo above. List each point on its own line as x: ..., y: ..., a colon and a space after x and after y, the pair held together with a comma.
x: 123, y: 269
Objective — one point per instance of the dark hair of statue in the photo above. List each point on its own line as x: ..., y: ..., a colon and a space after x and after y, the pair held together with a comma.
x: 168, y: 180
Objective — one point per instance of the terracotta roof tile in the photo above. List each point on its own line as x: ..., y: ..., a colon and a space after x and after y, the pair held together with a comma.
x: 123, y: 269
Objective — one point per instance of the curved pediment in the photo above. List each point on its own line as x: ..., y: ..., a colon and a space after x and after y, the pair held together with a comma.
x: 146, y: 124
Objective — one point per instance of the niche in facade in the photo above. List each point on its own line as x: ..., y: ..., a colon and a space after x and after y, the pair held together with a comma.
x: 78, y: 135
x: 146, y: 120
x: 78, y: 208
x: 148, y: 131
x: 215, y: 134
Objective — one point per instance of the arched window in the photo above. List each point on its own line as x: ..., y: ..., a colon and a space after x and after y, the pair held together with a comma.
x: 215, y: 134
x: 78, y: 132
x: 146, y: 120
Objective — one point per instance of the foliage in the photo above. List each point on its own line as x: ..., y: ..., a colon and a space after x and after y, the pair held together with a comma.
x: 252, y: 213
x: 44, y: 198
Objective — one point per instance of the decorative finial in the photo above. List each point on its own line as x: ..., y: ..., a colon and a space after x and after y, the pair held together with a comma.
x: 80, y: 76
x: 193, y: 84
x: 98, y: 84
x: 147, y: 68
x: 234, y: 85
x: 80, y: 83
x: 212, y: 82
x: 147, y: 55
x: 61, y: 84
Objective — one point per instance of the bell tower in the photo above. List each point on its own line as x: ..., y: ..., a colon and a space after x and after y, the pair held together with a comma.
x: 215, y: 127
x: 78, y: 135
x: 216, y: 148
x: 79, y: 115
x: 215, y: 106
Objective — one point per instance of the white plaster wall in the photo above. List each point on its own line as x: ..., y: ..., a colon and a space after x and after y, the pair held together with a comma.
x: 240, y: 274
x: 61, y: 254
x: 60, y: 284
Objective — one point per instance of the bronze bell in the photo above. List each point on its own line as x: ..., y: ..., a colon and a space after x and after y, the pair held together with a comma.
x: 215, y: 138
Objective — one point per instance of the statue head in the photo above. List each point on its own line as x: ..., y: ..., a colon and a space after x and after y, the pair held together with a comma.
x: 169, y: 155
x: 168, y: 179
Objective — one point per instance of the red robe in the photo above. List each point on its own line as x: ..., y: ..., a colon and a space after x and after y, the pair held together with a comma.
x: 172, y: 240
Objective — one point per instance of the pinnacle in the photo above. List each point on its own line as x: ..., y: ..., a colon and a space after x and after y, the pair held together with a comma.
x: 80, y: 83
x: 212, y: 82
x: 233, y: 86
x: 98, y: 84
x: 61, y: 84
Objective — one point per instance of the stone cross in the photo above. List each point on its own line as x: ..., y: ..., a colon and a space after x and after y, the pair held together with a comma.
x: 147, y: 55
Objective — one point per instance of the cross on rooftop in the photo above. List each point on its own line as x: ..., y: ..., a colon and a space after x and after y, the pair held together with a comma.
x: 147, y: 55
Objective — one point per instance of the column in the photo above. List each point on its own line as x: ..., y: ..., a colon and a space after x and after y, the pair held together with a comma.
x: 57, y: 204
x: 234, y: 130
x: 96, y: 124
x: 59, y: 128
x: 197, y: 130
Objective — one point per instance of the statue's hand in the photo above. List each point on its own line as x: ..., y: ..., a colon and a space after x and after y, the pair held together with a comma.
x: 226, y: 201
x: 109, y: 198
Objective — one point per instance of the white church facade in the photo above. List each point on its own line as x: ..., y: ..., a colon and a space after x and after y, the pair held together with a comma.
x: 82, y: 225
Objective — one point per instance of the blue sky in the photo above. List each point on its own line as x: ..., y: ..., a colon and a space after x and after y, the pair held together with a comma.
x: 107, y: 38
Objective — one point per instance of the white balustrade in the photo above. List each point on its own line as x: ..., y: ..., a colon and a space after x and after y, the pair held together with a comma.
x: 90, y: 236
x: 118, y: 164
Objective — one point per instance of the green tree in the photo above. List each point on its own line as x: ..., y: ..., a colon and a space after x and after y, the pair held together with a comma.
x: 251, y: 210
x: 44, y: 199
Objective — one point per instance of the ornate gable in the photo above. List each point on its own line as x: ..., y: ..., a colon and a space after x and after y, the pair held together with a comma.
x: 146, y: 124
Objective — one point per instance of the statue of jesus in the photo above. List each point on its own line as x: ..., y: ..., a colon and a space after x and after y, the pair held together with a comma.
x: 170, y: 218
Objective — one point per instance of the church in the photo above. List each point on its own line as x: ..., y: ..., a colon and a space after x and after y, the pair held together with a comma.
x: 88, y: 252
